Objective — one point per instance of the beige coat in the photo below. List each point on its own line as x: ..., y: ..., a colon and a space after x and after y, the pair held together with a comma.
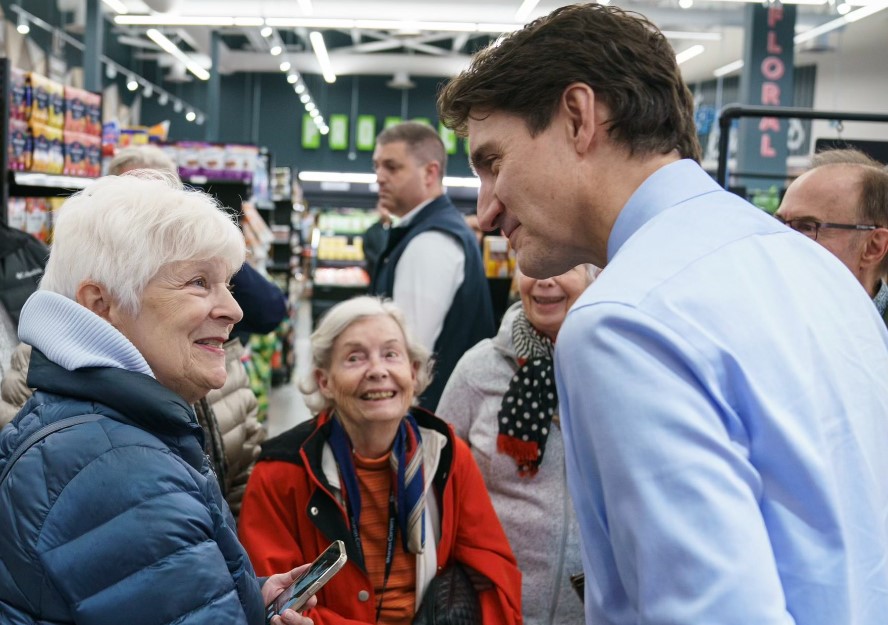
x: 233, y: 406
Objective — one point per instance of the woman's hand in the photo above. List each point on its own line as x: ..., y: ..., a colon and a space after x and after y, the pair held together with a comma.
x: 276, y: 584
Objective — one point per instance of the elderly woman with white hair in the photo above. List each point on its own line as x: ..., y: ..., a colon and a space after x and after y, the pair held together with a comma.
x: 386, y: 477
x: 110, y: 511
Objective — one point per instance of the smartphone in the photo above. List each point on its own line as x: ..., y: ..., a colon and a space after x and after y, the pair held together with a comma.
x: 312, y: 579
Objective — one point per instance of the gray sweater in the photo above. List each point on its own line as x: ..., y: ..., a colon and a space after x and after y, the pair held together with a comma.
x: 536, y: 512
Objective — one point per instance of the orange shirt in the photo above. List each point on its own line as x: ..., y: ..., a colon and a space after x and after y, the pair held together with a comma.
x: 398, y: 601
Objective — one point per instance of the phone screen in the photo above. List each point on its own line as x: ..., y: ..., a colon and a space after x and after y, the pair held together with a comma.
x: 323, y: 568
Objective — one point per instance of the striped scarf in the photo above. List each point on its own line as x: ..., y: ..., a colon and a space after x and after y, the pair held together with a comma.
x: 407, y: 479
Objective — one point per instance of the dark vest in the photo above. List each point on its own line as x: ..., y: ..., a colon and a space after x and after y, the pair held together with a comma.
x: 470, y: 318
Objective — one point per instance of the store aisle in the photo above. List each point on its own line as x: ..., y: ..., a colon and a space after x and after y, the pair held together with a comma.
x: 286, y: 407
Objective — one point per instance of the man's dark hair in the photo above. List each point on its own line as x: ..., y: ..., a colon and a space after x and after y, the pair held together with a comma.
x: 621, y: 55
x: 423, y: 142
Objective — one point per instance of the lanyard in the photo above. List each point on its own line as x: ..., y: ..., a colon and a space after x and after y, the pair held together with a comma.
x: 389, y: 545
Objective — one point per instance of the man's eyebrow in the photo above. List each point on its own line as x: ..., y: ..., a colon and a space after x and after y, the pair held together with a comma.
x: 478, y: 154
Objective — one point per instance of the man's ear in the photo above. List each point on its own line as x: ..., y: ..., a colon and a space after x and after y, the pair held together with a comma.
x: 95, y: 297
x: 432, y: 173
x: 876, y: 247
x: 578, y: 107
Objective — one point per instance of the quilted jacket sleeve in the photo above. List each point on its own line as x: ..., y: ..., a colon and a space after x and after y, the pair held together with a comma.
x: 133, y: 535
x: 235, y: 407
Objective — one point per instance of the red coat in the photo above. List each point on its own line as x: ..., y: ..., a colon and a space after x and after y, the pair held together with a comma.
x: 290, y: 515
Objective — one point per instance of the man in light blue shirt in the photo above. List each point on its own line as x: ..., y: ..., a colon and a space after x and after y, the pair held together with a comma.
x: 724, y: 383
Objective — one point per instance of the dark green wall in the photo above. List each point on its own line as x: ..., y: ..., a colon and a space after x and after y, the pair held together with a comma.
x: 264, y: 109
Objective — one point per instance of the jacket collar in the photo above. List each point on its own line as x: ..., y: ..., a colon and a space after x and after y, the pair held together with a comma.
x: 137, y: 400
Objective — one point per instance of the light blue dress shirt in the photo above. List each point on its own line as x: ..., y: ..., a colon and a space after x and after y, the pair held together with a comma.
x: 724, y: 398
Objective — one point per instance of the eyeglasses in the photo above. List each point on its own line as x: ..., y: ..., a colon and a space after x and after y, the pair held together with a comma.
x: 811, y: 228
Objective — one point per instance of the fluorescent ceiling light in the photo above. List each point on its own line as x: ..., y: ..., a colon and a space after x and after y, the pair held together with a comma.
x: 320, y: 50
x: 116, y: 5
x: 186, y: 20
x: 336, y: 176
x: 814, y: 2
x: 853, y: 16
x: 453, y: 181
x: 689, y: 53
x: 160, y: 39
x: 691, y: 36
x: 525, y: 10
x: 724, y: 70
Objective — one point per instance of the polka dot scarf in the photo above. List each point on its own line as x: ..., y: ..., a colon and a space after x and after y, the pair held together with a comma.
x: 530, y: 403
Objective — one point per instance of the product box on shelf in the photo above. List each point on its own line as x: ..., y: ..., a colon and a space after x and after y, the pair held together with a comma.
x: 81, y: 151
x: 20, y: 147
x: 47, y: 101
x: 48, y: 155
x: 19, y: 95
x: 83, y: 111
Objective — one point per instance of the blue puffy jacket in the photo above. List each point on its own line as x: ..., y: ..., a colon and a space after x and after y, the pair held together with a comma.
x: 118, y: 520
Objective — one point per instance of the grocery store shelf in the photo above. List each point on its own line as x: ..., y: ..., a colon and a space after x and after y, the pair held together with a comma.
x: 34, y: 184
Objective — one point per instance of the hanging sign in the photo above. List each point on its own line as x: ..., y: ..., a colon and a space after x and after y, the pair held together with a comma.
x: 449, y: 138
x: 365, y: 133
x: 391, y: 121
x: 311, y: 136
x: 338, y: 132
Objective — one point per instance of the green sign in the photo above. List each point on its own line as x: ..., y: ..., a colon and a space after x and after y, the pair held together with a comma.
x: 391, y: 121
x: 365, y: 133
x: 311, y: 136
x: 422, y: 120
x: 451, y: 141
x: 338, y: 132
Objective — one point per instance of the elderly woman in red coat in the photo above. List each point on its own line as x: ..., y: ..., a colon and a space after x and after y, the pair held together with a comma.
x: 374, y: 470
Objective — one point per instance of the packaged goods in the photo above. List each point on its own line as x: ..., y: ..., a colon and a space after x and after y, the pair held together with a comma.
x: 93, y: 105
x: 48, y: 153
x: 16, y: 213
x: 20, y: 146
x: 47, y: 101
x: 81, y: 154
x: 37, y: 217
x: 19, y: 95
x: 75, y: 110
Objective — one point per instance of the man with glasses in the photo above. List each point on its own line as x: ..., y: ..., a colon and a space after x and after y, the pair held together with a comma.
x: 842, y: 203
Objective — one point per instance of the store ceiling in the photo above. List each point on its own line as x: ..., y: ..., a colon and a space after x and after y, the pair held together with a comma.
x: 375, y: 47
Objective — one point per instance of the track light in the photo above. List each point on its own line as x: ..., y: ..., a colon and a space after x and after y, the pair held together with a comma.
x: 131, y: 83
x: 300, y: 88
x: 190, y: 116
x: 285, y: 66
x: 305, y: 98
x: 276, y: 50
x: 163, y: 98
x: 177, y: 106
x: 266, y: 31
x: 110, y: 72
x: 23, y: 27
x: 292, y: 78
x: 148, y: 91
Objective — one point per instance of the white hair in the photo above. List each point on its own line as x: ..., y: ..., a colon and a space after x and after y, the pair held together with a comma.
x: 141, y: 157
x: 336, y: 321
x: 120, y: 230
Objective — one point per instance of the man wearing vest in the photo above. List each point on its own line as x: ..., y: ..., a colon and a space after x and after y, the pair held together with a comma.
x: 842, y: 203
x: 431, y: 266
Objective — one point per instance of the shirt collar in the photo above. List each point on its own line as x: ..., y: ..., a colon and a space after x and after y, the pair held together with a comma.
x: 406, y: 218
x: 670, y: 185
x: 881, y: 299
